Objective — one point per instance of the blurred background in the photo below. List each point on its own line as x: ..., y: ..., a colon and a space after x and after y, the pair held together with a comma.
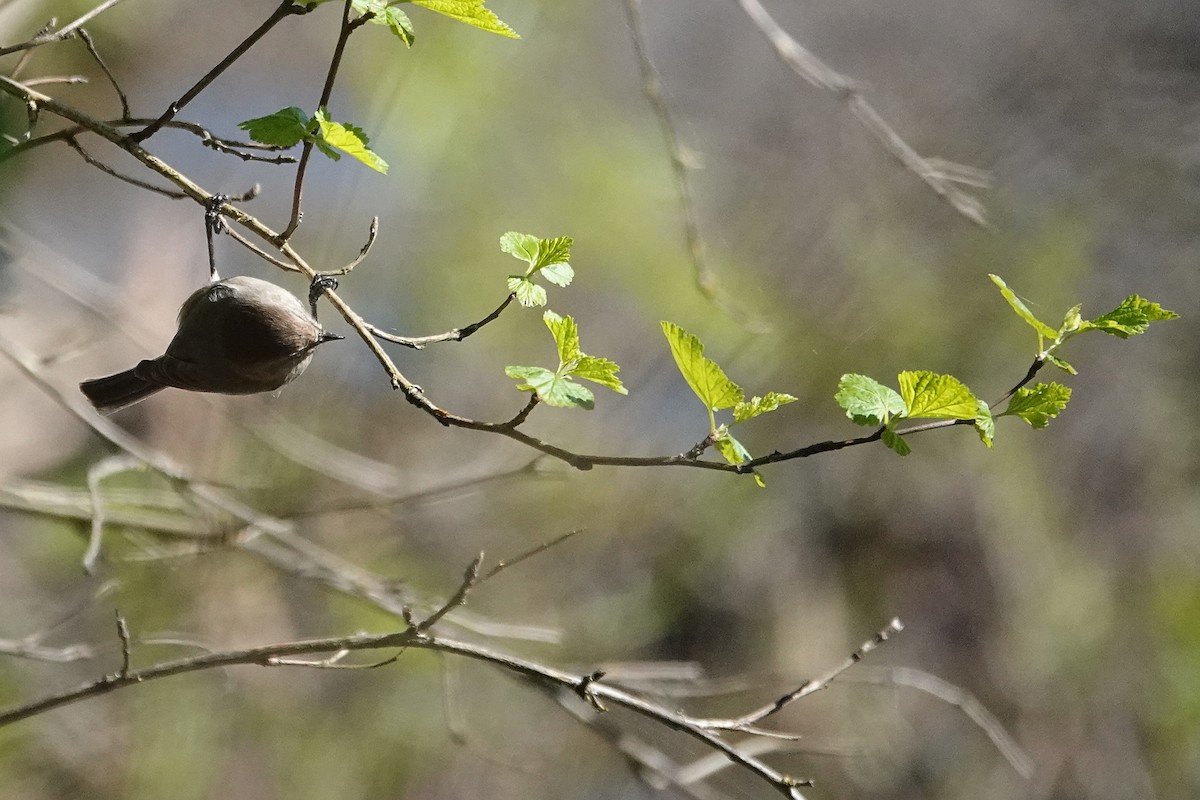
x: 1054, y: 578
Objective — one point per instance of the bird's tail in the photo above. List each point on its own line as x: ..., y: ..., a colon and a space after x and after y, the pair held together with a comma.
x: 115, y: 392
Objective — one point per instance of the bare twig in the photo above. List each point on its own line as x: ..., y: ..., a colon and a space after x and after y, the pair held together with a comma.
x: 683, y: 161
x: 90, y: 159
x: 743, y: 722
x: 541, y: 675
x: 284, y: 10
x: 517, y: 559
x: 937, y: 176
x: 49, y: 35
x: 470, y: 578
x: 957, y: 697
x: 91, y: 48
x: 454, y: 335
x: 348, y: 27
x: 123, y: 635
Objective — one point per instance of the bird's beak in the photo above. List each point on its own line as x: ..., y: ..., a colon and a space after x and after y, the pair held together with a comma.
x: 326, y: 336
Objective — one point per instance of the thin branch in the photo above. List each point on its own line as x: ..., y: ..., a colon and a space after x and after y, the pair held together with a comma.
x: 46, y: 37
x: 542, y: 675
x: 744, y: 722
x: 348, y: 27
x: 517, y: 559
x: 935, y: 175
x: 454, y: 335
x: 683, y: 161
x: 957, y: 697
x: 284, y: 10
x: 92, y: 160
x: 112, y: 79
x: 470, y: 579
x: 123, y: 635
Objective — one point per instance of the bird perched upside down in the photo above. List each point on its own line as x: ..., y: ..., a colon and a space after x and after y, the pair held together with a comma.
x: 240, y: 335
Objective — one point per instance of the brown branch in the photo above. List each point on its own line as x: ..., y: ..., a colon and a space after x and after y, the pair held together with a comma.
x: 454, y: 335
x: 112, y: 79
x: 284, y: 10
x: 348, y: 27
x: 46, y: 36
x: 541, y: 675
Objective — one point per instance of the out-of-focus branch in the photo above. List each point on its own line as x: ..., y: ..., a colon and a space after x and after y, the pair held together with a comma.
x: 49, y: 35
x: 683, y: 161
x: 938, y: 175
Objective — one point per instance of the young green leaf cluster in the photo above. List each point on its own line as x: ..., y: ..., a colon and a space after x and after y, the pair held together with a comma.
x: 387, y: 13
x: 556, y: 387
x: 927, y: 395
x: 551, y: 259
x: 1132, y: 317
x: 922, y: 395
x: 548, y: 257
x: 290, y: 126
x: 716, y: 391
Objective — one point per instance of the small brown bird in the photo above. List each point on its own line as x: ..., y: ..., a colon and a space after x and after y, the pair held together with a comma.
x: 236, y: 336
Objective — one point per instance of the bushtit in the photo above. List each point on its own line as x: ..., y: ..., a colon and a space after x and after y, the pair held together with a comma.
x: 236, y: 336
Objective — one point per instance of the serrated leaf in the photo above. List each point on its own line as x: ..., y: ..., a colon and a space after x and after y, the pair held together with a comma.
x: 707, y: 380
x: 1038, y: 404
x: 560, y: 274
x: 395, y: 19
x: 472, y: 12
x: 895, y: 441
x: 867, y: 401
x: 760, y: 405
x: 1061, y: 364
x: 601, y: 371
x: 985, y: 424
x: 1132, y: 317
x: 566, y: 336
x: 287, y: 127
x: 547, y: 256
x: 930, y: 395
x: 527, y: 293
x: 350, y: 139
x: 1022, y: 310
x: 551, y: 388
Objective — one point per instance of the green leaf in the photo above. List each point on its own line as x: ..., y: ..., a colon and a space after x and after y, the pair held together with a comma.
x: 895, y: 441
x: 472, y: 12
x: 1132, y: 317
x: 601, y: 371
x: 395, y: 19
x: 1022, y: 310
x: 1061, y: 364
x: 985, y: 424
x: 552, y: 388
x: 546, y: 256
x: 930, y: 395
x: 527, y: 292
x: 1039, y: 404
x: 556, y: 388
x: 760, y: 405
x: 285, y: 128
x: 707, y: 380
x: 868, y: 402
x: 350, y: 139
x: 734, y: 452
x: 566, y: 336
